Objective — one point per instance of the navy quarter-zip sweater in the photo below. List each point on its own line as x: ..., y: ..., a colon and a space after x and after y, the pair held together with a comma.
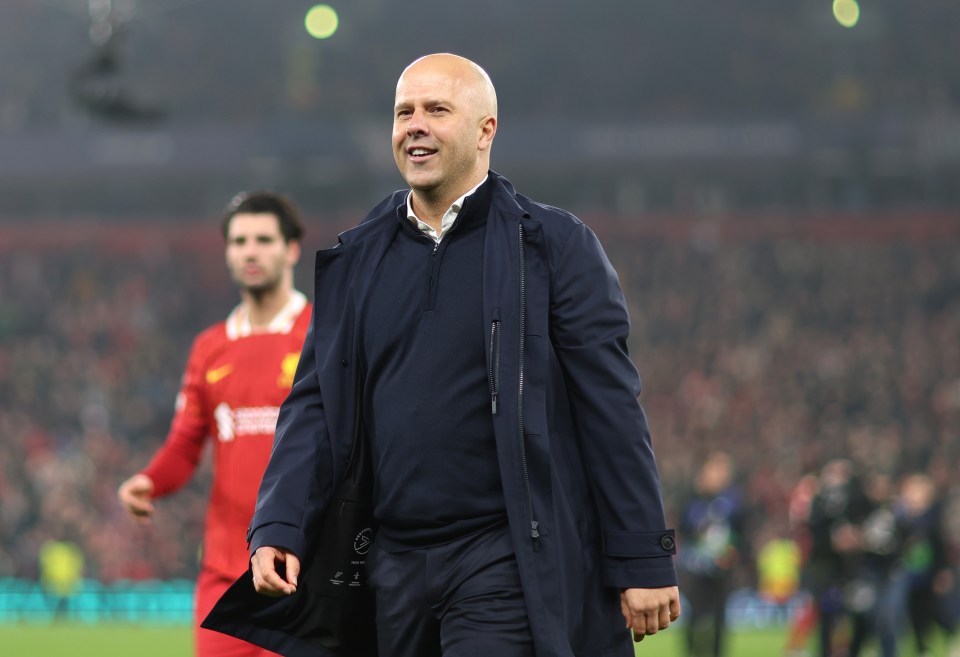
x: 426, y: 397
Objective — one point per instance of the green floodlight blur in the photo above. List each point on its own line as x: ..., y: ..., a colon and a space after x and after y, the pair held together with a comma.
x: 847, y: 12
x: 321, y: 21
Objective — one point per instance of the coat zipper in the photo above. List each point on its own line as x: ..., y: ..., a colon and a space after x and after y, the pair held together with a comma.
x: 534, y: 525
x: 494, y: 374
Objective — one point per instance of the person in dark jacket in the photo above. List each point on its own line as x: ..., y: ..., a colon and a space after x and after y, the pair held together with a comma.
x: 482, y: 338
x: 876, y: 596
x: 837, y: 512
x: 930, y: 577
x: 712, y: 540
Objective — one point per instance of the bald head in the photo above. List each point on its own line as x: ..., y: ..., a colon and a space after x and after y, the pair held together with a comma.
x: 470, y: 77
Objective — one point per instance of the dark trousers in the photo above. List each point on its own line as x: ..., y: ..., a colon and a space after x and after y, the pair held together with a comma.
x: 884, y: 596
x: 927, y: 610
x: 460, y: 599
x: 706, y: 620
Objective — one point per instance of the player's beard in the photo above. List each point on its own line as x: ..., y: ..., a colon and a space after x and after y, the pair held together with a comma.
x: 270, y: 283
x: 264, y: 287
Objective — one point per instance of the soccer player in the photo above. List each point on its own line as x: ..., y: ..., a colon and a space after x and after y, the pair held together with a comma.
x: 238, y: 373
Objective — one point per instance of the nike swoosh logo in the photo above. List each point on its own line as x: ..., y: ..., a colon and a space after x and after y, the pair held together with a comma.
x: 219, y: 373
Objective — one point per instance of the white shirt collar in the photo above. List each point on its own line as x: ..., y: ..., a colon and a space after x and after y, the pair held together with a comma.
x: 238, y: 322
x: 448, y: 217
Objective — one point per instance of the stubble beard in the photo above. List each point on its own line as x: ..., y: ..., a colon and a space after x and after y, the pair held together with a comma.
x: 262, y: 289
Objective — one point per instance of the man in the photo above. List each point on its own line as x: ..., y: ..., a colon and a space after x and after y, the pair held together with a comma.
x: 837, y: 512
x: 876, y: 594
x: 238, y: 373
x: 930, y: 577
x: 483, y: 338
x: 712, y: 537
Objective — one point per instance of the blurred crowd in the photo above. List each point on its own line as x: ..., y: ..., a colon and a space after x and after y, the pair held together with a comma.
x: 785, y: 354
x: 92, y: 343
x: 804, y: 397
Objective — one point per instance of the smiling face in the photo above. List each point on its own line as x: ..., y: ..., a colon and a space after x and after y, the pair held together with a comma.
x: 443, y: 125
x: 257, y: 255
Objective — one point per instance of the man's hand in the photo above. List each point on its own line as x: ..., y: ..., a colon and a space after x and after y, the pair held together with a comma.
x: 648, y: 611
x: 135, y: 495
x: 267, y: 579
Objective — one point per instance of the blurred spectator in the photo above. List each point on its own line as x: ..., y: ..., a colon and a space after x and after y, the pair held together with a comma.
x: 798, y: 518
x: 779, y: 561
x: 712, y: 542
x: 932, y: 585
x: 876, y: 596
x: 837, y: 510
x: 61, y: 570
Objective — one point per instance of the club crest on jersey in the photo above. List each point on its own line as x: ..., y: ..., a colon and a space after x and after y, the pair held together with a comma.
x: 288, y: 368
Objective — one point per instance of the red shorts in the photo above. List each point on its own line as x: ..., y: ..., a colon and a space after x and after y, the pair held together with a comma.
x: 207, y: 643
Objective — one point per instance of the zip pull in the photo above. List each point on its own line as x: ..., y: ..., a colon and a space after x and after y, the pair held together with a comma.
x: 493, y: 404
x: 535, y: 535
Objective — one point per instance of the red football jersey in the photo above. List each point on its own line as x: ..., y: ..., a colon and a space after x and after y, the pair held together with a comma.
x: 234, y: 383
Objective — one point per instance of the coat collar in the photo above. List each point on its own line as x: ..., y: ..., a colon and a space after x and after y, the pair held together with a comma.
x: 503, y: 199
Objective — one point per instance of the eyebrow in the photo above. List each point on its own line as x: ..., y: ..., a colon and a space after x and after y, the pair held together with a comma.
x: 262, y: 237
x: 428, y: 102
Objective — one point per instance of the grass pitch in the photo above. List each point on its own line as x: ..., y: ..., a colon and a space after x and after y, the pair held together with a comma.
x: 739, y: 643
x: 127, y: 640
x: 70, y: 640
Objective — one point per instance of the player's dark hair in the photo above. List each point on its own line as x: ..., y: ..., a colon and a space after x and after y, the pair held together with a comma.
x: 291, y: 225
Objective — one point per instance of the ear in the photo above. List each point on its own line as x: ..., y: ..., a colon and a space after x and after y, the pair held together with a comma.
x: 488, y: 128
x: 293, y: 252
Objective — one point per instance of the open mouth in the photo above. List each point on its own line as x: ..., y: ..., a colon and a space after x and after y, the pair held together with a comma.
x: 419, y: 153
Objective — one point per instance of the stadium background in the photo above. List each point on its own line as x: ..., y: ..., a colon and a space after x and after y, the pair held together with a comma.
x: 778, y: 191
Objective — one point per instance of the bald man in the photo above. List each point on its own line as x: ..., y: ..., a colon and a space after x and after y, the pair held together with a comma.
x: 480, y: 338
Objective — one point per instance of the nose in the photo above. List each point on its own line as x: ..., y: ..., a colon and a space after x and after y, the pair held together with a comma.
x: 416, y: 125
x: 249, y: 251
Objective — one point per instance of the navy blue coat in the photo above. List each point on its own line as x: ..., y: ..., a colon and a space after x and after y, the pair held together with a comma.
x: 579, y: 476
